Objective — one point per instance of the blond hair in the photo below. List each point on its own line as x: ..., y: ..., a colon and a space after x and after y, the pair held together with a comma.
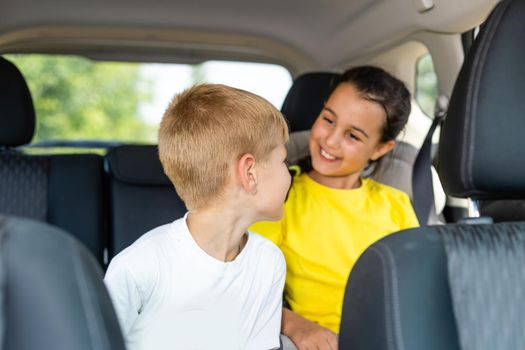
x: 205, y: 129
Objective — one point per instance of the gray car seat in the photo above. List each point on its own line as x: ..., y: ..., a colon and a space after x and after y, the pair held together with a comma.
x: 458, y: 286
x: 142, y: 196
x: 52, y: 292
x: 65, y: 190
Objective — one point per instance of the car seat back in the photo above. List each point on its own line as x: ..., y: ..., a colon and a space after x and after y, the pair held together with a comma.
x: 458, y: 286
x: 65, y: 190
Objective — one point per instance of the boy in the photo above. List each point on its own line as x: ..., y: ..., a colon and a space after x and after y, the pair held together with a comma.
x: 204, y: 281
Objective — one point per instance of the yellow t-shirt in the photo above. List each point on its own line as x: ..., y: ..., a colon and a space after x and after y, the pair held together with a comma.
x: 323, y: 232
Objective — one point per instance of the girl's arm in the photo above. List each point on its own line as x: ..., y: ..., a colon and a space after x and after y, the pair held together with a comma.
x: 306, y: 334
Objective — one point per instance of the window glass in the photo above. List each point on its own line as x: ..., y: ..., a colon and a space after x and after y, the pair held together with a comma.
x: 423, y: 101
x: 426, y: 85
x: 77, y: 98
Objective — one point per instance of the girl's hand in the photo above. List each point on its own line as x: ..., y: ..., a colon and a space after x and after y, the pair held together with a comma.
x: 307, y: 335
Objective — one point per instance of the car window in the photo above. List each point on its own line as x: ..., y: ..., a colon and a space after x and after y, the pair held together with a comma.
x: 423, y: 102
x: 77, y: 98
x: 426, y: 85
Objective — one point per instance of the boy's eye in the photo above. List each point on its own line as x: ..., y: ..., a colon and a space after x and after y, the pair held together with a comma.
x: 287, y: 163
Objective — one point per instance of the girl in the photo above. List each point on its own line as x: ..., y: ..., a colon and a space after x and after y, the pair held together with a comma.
x: 332, y: 214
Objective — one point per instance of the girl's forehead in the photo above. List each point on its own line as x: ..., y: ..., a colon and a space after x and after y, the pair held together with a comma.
x: 348, y: 92
x: 349, y: 107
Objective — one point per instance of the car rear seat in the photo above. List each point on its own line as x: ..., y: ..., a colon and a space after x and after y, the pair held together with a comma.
x: 301, y: 107
x: 52, y: 292
x: 64, y: 190
x: 142, y: 196
x: 458, y: 286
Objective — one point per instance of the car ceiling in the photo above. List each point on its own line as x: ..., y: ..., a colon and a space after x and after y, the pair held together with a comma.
x: 301, y: 34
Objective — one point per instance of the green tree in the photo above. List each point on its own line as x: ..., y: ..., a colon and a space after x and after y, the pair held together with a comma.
x: 426, y: 85
x: 76, y: 98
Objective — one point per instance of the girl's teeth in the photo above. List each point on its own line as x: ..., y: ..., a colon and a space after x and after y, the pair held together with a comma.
x: 327, y: 155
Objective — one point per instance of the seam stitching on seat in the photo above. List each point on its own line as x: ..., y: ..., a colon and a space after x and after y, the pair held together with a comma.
x: 394, y: 333
x: 95, y: 335
x: 389, y: 337
x: 469, y: 133
x: 395, y: 298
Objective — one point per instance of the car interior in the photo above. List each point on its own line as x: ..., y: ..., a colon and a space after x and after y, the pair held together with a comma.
x: 456, y: 286
x: 52, y: 291
x: 69, y: 205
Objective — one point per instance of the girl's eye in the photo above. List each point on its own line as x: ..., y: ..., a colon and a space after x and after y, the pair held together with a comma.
x: 328, y: 120
x: 353, y: 136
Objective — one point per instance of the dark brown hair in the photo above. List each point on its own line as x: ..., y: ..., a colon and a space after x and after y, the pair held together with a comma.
x: 376, y: 85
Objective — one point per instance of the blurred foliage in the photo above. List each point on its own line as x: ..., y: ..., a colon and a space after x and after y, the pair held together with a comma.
x: 78, y: 99
x: 198, y: 74
x: 426, y: 85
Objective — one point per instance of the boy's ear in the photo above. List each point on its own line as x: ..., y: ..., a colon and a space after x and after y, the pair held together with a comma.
x: 246, y: 173
x: 382, y: 149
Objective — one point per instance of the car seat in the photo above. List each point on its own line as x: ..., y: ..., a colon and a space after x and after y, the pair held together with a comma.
x: 65, y: 190
x: 52, y: 292
x: 458, y: 286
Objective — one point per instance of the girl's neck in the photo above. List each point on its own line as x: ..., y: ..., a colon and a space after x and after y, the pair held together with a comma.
x: 348, y: 182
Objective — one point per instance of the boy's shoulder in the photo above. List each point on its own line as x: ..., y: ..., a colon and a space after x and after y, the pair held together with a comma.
x: 148, y: 246
x: 263, y: 247
x: 147, y: 241
x: 264, y: 259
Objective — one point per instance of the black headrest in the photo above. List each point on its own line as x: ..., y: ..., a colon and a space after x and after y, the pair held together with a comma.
x: 17, y: 115
x: 137, y: 164
x: 483, y: 138
x: 306, y: 98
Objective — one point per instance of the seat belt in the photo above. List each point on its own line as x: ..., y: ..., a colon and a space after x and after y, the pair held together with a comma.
x: 422, y: 185
x: 2, y: 280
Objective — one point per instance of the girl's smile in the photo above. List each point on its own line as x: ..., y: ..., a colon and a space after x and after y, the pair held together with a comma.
x: 327, y: 155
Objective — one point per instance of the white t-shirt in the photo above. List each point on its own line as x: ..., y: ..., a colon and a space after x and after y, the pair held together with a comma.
x: 170, y: 294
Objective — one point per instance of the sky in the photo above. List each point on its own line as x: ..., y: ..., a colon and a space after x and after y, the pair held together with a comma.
x: 267, y: 80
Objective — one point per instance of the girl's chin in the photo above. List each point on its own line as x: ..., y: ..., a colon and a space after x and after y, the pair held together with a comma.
x: 323, y: 163
x: 324, y: 170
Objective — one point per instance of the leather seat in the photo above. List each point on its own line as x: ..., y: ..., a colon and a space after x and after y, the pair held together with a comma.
x: 52, y: 292
x: 142, y: 196
x: 65, y: 190
x: 306, y: 98
x: 458, y: 286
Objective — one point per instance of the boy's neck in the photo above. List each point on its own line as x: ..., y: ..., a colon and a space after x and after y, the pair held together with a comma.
x: 219, y: 232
